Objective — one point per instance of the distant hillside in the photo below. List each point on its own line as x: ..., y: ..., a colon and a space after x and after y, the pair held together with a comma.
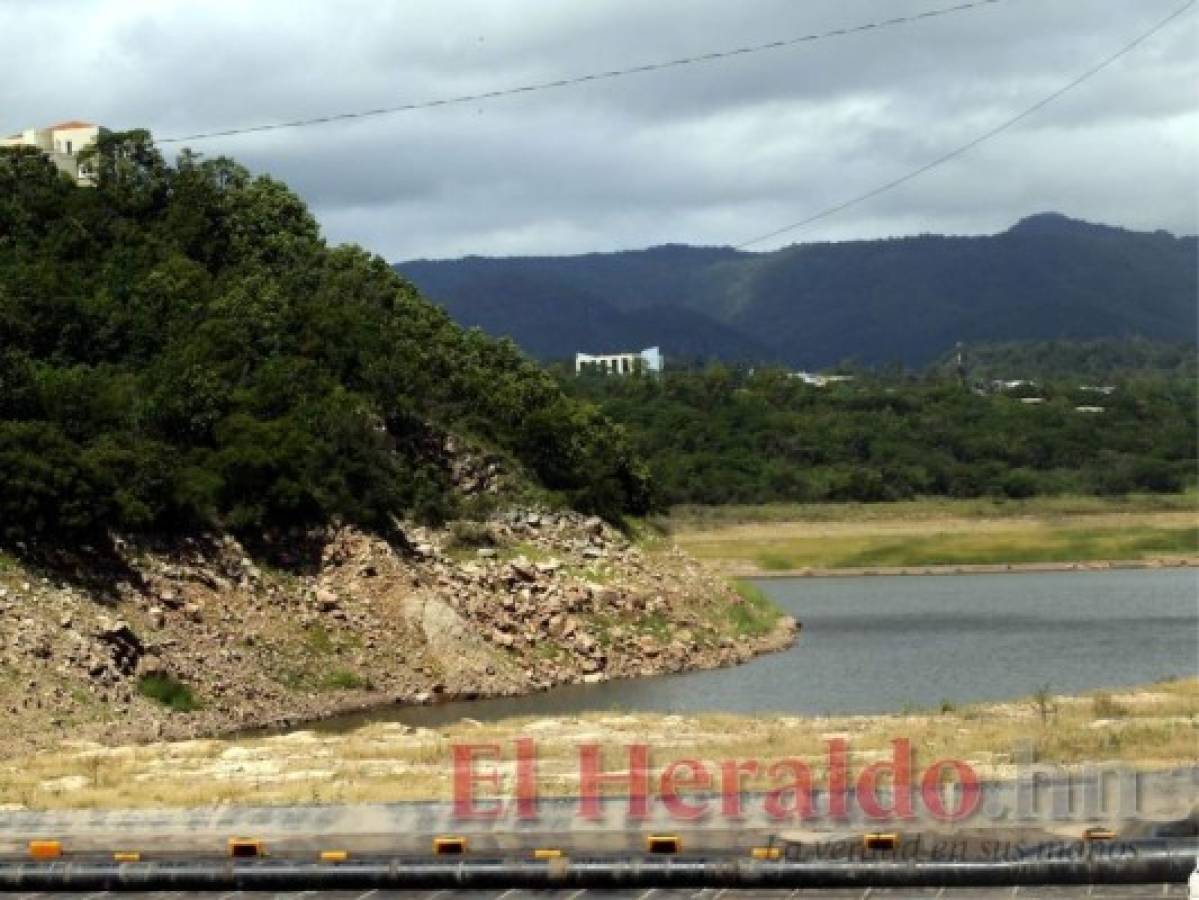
x: 1103, y: 359
x: 907, y: 299
x: 553, y: 306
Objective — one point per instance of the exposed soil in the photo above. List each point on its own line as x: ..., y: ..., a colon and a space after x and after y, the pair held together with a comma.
x: 527, y: 601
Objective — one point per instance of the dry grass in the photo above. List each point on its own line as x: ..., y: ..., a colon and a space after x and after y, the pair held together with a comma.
x: 947, y: 539
x: 1069, y: 505
x: 1152, y: 727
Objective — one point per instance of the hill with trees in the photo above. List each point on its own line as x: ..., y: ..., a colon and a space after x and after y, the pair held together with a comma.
x: 900, y: 300
x: 180, y: 349
x: 734, y: 435
x: 226, y: 449
x: 1103, y: 359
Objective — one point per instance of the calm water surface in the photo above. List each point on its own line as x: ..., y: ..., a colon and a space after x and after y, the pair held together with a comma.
x: 879, y: 644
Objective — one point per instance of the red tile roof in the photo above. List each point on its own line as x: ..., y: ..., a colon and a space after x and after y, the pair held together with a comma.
x: 63, y: 126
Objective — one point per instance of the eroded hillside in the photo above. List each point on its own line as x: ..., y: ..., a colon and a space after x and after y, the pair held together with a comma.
x: 195, y: 638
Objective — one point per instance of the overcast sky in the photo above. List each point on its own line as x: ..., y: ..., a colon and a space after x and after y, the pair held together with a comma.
x: 714, y: 153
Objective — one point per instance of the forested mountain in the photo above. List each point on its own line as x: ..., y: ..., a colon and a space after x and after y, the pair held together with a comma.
x: 899, y: 300
x: 180, y: 349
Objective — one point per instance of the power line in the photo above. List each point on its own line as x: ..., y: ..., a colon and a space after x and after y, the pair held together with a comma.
x: 583, y: 79
x: 953, y: 154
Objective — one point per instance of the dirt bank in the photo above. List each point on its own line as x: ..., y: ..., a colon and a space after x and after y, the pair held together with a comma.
x: 527, y: 601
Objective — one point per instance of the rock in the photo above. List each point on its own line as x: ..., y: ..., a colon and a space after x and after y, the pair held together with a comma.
x: 117, y: 630
x: 523, y: 569
x: 585, y: 642
x: 487, y: 552
x: 156, y: 616
x: 149, y: 665
x: 607, y: 596
x: 326, y: 600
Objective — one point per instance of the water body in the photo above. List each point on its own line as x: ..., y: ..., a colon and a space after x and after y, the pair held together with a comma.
x: 882, y: 644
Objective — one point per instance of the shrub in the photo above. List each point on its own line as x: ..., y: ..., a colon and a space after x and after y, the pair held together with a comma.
x: 755, y: 614
x: 344, y: 680
x: 168, y: 691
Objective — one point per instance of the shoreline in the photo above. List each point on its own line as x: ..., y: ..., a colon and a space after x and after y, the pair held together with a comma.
x: 781, y: 637
x: 392, y: 762
x: 1188, y: 562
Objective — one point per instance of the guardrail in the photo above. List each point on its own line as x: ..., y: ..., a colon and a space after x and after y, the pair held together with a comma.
x: 1148, y: 865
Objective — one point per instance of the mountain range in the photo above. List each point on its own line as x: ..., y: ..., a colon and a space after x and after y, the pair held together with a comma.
x: 1049, y: 277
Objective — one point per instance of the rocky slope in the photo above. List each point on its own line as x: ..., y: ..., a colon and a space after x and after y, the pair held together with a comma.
x: 525, y: 601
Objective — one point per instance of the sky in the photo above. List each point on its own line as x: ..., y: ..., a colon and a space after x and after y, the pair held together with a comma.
x: 714, y: 153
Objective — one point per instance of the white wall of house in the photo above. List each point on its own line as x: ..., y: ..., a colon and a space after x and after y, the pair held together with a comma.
x: 62, y: 143
x: 649, y: 360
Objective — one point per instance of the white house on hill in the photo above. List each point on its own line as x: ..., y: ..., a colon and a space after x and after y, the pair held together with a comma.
x: 620, y: 363
x: 62, y: 143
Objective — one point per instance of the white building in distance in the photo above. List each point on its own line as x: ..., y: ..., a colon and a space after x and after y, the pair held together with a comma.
x: 816, y: 379
x: 62, y: 143
x: 620, y: 363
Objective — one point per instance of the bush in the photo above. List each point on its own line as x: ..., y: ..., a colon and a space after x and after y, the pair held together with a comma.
x: 47, y: 487
x: 168, y: 691
x: 470, y: 536
x: 755, y: 615
x: 344, y: 680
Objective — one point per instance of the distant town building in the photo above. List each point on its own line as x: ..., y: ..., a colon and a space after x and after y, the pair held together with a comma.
x: 1104, y: 389
x: 62, y: 143
x: 1089, y: 409
x: 620, y: 363
x: 818, y: 380
x: 1000, y: 385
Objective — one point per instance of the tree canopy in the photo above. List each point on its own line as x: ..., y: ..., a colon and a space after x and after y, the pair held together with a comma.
x: 179, y: 348
x: 733, y: 435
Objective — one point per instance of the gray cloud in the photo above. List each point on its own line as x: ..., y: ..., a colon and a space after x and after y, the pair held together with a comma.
x: 709, y: 154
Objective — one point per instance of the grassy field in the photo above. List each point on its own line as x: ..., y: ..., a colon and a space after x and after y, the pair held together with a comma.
x: 764, y: 539
x: 1154, y: 727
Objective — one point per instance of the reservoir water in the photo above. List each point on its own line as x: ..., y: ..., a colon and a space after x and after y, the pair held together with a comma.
x: 882, y: 644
